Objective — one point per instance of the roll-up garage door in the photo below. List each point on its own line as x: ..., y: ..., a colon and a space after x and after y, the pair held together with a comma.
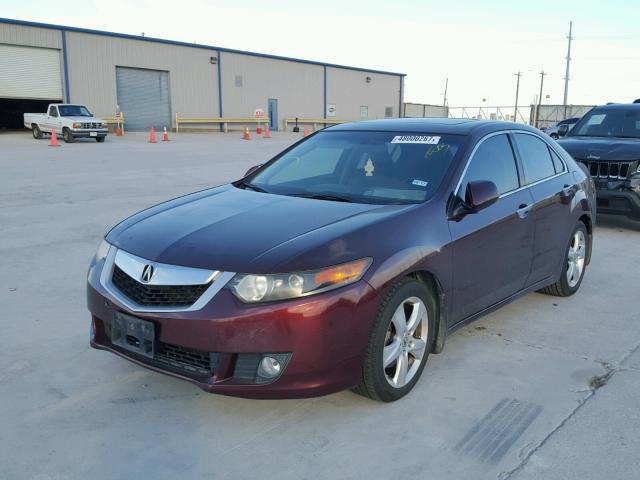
x: 143, y: 97
x: 30, y: 73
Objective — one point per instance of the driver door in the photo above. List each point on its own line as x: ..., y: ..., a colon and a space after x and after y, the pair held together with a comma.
x: 492, y: 249
x: 52, y: 119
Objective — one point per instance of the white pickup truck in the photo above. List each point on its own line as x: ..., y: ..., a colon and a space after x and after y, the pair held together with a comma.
x: 72, y: 121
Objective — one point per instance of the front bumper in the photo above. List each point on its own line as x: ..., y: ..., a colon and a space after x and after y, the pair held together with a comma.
x: 88, y: 133
x: 326, y: 335
x: 619, y: 202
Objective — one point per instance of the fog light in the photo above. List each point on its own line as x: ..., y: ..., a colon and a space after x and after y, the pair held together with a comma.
x: 269, y: 367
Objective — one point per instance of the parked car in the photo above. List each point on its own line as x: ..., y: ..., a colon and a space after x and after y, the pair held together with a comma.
x: 345, y: 260
x: 72, y: 121
x: 607, y: 141
x: 554, y: 131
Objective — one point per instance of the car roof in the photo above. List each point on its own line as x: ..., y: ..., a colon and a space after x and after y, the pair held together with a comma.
x: 618, y: 106
x: 456, y: 126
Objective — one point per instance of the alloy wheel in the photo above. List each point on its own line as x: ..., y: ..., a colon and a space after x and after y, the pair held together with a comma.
x: 405, y: 342
x: 576, y: 258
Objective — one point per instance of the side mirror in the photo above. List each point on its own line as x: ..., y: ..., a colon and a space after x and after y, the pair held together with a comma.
x: 253, y: 169
x: 563, y: 130
x: 480, y: 194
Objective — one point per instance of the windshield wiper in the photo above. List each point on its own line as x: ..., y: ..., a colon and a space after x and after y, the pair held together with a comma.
x: 322, y: 196
x: 251, y: 186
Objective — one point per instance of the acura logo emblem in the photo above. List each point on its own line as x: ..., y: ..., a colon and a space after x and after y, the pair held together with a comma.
x: 147, y: 273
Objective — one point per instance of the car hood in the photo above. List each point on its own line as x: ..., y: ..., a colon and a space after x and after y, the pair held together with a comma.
x: 600, y: 148
x: 84, y: 119
x: 231, y: 229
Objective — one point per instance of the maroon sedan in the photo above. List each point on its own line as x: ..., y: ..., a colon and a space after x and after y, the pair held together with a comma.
x: 345, y: 260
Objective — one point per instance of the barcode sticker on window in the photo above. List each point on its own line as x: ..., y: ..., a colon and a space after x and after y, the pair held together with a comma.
x: 427, y: 139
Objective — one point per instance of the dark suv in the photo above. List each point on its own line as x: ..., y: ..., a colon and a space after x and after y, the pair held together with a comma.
x: 607, y: 141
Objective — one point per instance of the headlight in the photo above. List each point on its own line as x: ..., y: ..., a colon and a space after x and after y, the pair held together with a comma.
x: 77, y: 125
x: 266, y: 288
x: 103, y: 250
x: 103, y: 124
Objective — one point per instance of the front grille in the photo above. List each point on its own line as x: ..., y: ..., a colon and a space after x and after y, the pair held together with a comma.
x: 90, y: 125
x: 186, y: 360
x: 610, y: 170
x: 156, y: 295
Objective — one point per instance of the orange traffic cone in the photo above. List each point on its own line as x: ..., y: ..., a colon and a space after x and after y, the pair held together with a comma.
x: 165, y: 135
x: 54, y: 139
x: 305, y: 133
x: 247, y: 135
x: 152, y: 136
x: 267, y: 132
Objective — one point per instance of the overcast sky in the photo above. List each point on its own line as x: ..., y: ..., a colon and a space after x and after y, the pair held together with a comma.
x: 478, y: 45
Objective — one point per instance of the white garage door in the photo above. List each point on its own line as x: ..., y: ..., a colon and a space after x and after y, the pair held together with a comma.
x: 28, y: 72
x: 143, y: 97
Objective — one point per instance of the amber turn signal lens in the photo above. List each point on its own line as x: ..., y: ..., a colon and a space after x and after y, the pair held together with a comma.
x: 341, y: 273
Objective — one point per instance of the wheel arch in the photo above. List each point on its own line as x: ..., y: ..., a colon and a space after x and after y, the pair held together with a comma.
x: 588, y: 223
x: 432, y: 281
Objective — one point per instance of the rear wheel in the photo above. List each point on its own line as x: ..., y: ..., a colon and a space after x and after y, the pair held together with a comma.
x: 399, y: 343
x: 37, y: 133
x: 67, y: 135
x: 574, y: 265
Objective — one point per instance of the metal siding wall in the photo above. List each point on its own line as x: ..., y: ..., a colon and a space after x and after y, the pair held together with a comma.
x: 30, y: 36
x: 92, y: 72
x: 297, y: 86
x: 29, y: 72
x: 143, y: 96
x: 349, y: 90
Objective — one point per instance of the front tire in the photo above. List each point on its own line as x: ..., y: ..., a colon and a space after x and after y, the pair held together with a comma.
x: 575, y: 264
x: 67, y: 135
x: 100, y: 139
x: 400, y: 342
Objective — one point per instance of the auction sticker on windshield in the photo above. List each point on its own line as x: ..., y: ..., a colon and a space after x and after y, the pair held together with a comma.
x: 427, y: 139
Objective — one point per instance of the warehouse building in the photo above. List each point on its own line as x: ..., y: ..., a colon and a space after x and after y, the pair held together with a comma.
x: 152, y: 80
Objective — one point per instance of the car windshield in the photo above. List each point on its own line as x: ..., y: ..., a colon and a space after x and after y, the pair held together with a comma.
x: 73, y: 111
x: 609, y: 123
x: 361, y: 167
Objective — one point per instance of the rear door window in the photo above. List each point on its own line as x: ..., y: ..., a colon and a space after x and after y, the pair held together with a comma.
x: 494, y: 161
x: 536, y: 158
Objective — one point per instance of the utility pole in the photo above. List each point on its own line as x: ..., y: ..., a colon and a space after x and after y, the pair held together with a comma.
x: 542, y: 75
x: 446, y: 85
x: 515, y: 109
x: 566, y: 75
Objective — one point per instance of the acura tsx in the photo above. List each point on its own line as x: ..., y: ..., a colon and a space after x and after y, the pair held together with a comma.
x: 344, y: 261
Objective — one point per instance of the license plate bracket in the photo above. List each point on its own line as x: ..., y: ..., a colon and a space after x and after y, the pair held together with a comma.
x: 133, y: 334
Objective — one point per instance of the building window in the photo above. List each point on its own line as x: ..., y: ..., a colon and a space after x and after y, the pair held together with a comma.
x: 388, y: 112
x: 238, y: 80
x: 364, y: 111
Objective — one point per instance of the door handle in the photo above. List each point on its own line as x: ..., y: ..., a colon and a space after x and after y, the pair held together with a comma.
x: 568, y: 191
x: 523, y: 210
